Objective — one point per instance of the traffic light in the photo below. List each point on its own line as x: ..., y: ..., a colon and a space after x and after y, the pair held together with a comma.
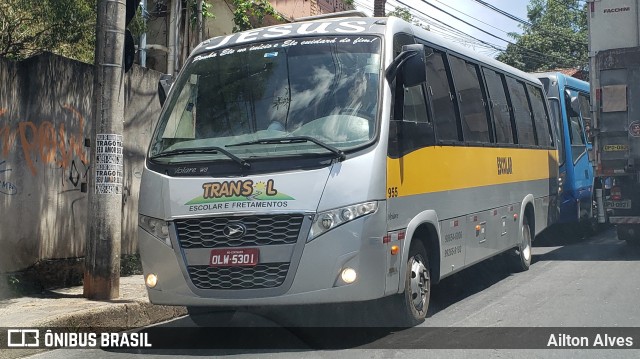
x: 129, y: 46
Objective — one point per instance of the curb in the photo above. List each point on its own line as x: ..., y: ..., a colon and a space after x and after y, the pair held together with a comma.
x: 133, y: 314
x: 117, y: 315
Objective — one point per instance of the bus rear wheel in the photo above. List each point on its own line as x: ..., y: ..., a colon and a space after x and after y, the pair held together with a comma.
x: 521, y: 257
x: 413, y: 303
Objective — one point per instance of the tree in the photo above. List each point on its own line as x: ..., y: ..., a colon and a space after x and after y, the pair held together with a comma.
x: 556, y: 37
x: 248, y: 10
x: 405, y: 14
x: 65, y: 27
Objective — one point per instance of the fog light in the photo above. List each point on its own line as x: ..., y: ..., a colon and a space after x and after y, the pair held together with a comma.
x: 151, y: 280
x: 348, y: 275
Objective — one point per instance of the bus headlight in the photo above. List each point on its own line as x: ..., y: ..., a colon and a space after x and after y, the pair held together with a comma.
x: 156, y: 227
x: 328, y: 220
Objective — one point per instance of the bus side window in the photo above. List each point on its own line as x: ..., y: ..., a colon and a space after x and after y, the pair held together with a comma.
x: 521, y: 112
x: 554, y: 105
x: 576, y: 131
x: 499, y: 105
x: 417, y: 130
x: 439, y: 89
x: 415, y: 109
x: 475, y: 125
x: 540, y: 118
x: 585, y: 111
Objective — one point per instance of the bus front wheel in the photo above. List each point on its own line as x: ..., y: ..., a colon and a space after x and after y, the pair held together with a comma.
x: 412, y: 305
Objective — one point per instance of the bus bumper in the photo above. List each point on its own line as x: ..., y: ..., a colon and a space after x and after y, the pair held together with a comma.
x: 317, y: 278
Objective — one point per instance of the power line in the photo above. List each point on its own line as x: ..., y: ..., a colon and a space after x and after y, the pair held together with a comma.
x: 456, y: 34
x: 449, y: 31
x: 526, y: 23
x: 490, y: 34
x: 478, y: 20
x: 443, y: 29
x: 512, y: 17
x: 539, y: 57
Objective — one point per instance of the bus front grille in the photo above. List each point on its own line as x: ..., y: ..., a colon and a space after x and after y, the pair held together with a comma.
x: 260, y: 230
x: 264, y: 275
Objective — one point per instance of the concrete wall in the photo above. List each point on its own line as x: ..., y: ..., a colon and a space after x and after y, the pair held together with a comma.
x: 45, y: 115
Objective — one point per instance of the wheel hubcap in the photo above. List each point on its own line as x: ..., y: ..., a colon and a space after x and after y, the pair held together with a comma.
x: 419, y: 283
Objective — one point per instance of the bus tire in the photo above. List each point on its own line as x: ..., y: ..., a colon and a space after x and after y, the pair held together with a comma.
x: 209, y: 317
x: 521, y: 257
x: 413, y: 303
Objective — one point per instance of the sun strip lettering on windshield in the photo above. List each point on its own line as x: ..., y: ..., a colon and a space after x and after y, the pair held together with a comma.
x: 287, y: 44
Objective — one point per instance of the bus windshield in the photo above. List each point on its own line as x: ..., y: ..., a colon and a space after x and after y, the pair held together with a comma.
x: 323, y: 88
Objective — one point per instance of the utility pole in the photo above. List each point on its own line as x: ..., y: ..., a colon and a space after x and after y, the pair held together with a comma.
x: 200, y: 22
x: 104, y: 227
x: 378, y: 8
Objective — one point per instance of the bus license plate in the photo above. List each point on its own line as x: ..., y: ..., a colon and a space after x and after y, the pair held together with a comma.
x: 624, y: 204
x: 238, y: 257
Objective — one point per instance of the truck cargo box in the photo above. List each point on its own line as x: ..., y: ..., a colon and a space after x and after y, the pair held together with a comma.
x: 617, y: 97
x: 613, y: 24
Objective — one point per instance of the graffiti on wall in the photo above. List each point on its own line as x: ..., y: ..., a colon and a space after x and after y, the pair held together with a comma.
x: 6, y: 187
x: 47, y: 143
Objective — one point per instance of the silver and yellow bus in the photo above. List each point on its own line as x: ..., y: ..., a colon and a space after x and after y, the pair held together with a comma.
x: 340, y: 160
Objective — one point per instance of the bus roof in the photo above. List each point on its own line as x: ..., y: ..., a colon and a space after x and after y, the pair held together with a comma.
x: 564, y: 80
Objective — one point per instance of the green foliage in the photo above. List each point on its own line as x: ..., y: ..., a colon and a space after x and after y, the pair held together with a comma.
x: 557, y: 37
x: 247, y: 10
x: 137, y: 26
x: 65, y: 27
x: 130, y: 264
x: 405, y: 14
x: 207, y: 12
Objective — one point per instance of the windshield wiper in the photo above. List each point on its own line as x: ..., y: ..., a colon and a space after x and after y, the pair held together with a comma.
x: 198, y: 150
x: 295, y: 139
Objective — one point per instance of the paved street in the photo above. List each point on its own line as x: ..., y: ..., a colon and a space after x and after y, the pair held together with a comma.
x: 590, y: 283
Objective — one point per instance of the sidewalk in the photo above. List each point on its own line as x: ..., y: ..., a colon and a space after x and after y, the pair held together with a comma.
x: 68, y: 308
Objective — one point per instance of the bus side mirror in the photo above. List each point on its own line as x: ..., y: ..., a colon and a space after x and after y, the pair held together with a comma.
x: 410, y: 63
x: 164, y: 85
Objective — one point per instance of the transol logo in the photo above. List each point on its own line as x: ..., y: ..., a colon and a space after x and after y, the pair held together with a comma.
x: 240, y: 190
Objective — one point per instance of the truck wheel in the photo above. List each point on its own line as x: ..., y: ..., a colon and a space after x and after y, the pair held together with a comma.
x: 625, y: 233
x: 412, y: 305
x: 521, y: 256
x: 622, y: 233
x: 210, y: 317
